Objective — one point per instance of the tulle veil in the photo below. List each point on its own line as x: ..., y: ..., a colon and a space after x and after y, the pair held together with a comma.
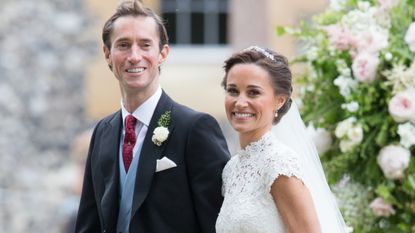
x: 292, y: 132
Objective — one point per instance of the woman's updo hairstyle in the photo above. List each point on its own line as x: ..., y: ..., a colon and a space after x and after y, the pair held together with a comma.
x: 275, y: 64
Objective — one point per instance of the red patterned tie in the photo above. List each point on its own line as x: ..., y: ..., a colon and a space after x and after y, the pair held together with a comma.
x: 129, y: 141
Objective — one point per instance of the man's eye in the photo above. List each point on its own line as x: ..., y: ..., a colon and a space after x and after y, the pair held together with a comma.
x: 123, y: 45
x: 146, y: 45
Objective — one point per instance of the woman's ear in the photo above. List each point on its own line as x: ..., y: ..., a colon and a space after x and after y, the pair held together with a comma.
x: 280, y: 101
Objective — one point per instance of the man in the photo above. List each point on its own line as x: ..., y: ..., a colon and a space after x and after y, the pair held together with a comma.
x: 155, y: 165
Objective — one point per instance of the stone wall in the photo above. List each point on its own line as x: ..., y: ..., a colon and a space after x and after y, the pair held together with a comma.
x: 45, y: 45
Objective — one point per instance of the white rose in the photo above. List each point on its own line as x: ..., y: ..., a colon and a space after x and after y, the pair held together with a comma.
x: 355, y: 134
x: 321, y: 138
x: 351, y: 107
x: 393, y: 160
x: 407, y: 133
x: 402, y: 106
x: 410, y: 37
x: 160, y: 134
x: 372, y: 40
x: 380, y: 208
x: 343, y: 126
x: 346, y: 145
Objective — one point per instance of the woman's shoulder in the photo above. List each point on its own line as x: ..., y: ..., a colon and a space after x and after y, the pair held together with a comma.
x: 283, y: 160
x: 278, y: 149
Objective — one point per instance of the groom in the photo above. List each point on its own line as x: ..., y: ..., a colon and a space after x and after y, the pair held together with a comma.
x: 154, y: 166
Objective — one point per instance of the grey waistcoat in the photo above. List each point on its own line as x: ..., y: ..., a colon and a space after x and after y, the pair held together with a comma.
x: 127, y: 184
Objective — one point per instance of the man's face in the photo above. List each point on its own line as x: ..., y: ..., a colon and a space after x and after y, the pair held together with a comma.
x: 135, y: 54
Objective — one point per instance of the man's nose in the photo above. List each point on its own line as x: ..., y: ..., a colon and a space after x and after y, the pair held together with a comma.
x: 135, y: 54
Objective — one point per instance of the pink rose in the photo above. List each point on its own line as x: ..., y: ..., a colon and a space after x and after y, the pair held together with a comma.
x: 387, y: 4
x: 364, y: 67
x: 340, y: 38
x: 410, y: 37
x: 380, y: 208
x: 402, y: 106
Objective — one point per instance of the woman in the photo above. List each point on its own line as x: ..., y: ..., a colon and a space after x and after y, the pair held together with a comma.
x: 268, y: 186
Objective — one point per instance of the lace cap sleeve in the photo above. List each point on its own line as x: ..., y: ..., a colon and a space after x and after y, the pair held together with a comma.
x: 283, y: 161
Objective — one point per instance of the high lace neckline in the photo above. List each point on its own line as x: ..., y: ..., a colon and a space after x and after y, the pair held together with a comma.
x: 256, y: 146
x: 248, y: 205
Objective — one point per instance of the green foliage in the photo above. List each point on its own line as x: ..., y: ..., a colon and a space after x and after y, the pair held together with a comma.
x: 330, y: 91
x: 165, y: 119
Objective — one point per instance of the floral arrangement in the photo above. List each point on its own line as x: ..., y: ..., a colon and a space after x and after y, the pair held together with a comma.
x: 161, y: 133
x: 358, y: 96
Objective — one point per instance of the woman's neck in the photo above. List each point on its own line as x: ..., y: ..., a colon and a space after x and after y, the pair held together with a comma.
x: 246, y: 138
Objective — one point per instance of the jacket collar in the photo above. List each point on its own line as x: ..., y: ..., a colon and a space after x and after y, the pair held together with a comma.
x: 149, y: 154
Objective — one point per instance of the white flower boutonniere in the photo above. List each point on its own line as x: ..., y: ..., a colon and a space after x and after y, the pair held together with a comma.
x: 161, y: 133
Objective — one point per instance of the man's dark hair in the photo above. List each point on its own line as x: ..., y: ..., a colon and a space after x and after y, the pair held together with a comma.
x: 133, y: 8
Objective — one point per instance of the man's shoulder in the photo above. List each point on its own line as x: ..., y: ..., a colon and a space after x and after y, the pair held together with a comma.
x: 109, y: 118
x: 181, y: 110
x: 187, y: 113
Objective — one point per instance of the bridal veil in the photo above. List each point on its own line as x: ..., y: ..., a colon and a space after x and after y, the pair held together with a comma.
x: 292, y: 132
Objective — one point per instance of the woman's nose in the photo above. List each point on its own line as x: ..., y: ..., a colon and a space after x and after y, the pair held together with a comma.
x: 241, y: 101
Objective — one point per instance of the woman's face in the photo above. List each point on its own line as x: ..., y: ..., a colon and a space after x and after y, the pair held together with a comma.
x: 250, y: 100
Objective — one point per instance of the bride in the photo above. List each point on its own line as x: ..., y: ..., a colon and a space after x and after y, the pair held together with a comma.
x: 275, y: 183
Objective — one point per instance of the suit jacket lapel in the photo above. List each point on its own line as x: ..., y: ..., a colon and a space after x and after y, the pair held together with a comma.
x: 109, y: 152
x: 149, y: 154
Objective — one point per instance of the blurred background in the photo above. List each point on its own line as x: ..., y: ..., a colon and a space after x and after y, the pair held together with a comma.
x: 55, y: 85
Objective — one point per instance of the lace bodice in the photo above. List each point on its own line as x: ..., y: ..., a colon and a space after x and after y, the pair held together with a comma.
x: 248, y: 206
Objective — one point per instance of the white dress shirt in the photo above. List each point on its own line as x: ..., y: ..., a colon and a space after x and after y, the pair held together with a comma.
x: 143, y: 114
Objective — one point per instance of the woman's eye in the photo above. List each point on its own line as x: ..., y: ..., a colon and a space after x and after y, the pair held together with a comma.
x: 232, y: 91
x: 253, y: 93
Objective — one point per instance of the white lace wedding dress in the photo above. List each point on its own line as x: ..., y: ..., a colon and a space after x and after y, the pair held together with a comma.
x: 248, y: 206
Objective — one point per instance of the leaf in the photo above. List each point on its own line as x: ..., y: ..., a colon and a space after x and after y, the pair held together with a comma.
x: 383, y: 191
x: 281, y: 31
x: 409, y: 185
x: 382, y: 136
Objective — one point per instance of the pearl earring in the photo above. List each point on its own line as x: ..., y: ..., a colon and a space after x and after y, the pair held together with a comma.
x: 276, y: 113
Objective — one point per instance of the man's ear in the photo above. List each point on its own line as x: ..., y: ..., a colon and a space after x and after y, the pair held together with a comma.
x: 164, y: 53
x: 107, y: 54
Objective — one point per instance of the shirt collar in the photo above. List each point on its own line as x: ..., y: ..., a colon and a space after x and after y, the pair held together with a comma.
x: 145, y: 111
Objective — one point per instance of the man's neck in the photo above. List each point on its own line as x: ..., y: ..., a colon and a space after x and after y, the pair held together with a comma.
x: 132, y: 101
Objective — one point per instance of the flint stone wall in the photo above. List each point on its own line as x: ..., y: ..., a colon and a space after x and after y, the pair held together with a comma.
x: 45, y: 45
